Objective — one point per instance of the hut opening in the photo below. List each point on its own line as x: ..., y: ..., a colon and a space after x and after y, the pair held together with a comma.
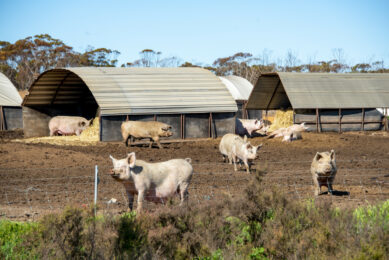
x: 325, y: 101
x: 192, y: 100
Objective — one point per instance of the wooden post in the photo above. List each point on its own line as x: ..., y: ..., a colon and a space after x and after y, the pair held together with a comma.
x: 155, y: 117
x: 126, y: 118
x: 340, y: 120
x: 317, y: 120
x: 2, y: 124
x: 363, y: 119
x: 294, y: 118
x: 181, y: 127
x: 386, y: 119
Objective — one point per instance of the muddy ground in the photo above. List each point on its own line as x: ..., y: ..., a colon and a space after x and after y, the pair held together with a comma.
x: 36, y: 178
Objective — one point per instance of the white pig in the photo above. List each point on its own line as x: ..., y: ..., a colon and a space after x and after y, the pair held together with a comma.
x: 68, y: 125
x: 152, y: 181
x: 248, y: 126
x: 234, y: 147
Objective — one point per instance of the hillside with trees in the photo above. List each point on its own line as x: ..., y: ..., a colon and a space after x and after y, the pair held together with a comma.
x: 23, y: 60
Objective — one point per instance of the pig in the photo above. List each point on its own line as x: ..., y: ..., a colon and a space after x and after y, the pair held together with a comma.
x: 68, y: 125
x: 234, y: 147
x: 152, y: 181
x: 323, y: 169
x: 290, y: 136
x: 150, y: 129
x: 290, y: 133
x: 248, y: 126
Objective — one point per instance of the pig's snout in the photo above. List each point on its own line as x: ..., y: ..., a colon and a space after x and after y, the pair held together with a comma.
x: 111, y: 172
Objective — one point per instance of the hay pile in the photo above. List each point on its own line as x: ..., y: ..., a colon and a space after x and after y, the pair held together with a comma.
x: 88, y: 136
x: 282, y: 119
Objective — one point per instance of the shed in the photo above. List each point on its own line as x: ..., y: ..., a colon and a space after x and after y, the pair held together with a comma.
x: 10, y: 105
x: 192, y: 100
x: 326, y: 101
x: 240, y: 89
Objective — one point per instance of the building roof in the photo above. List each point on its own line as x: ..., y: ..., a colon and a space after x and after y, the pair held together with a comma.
x: 121, y: 91
x: 240, y: 88
x: 9, y: 96
x: 320, y: 90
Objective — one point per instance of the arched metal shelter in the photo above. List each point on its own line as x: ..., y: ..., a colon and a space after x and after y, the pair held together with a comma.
x: 192, y: 100
x: 10, y: 105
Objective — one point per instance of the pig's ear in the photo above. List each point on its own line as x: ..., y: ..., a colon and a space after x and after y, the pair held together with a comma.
x: 259, y: 146
x: 131, y: 158
x: 332, y: 155
x: 248, y: 145
x: 245, y: 138
x: 90, y: 122
x: 318, y: 156
x: 113, y: 159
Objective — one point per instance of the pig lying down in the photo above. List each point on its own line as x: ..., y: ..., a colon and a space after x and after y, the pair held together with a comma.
x: 234, y: 147
x: 149, y: 129
x: 323, y: 169
x: 68, y: 125
x: 290, y: 133
x: 152, y: 181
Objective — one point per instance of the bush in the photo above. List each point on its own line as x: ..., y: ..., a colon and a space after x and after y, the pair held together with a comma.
x: 258, y: 225
x: 12, y: 240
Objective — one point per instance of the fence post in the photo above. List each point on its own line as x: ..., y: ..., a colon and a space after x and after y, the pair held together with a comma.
x: 96, y: 182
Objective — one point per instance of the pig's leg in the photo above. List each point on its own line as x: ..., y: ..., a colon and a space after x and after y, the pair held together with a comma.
x: 230, y: 159
x: 183, y: 193
x: 78, y: 132
x: 52, y: 132
x: 234, y: 161
x: 317, y: 186
x: 329, y: 185
x: 247, y: 165
x: 130, y: 200
x: 140, y: 201
x: 158, y: 143
x: 126, y: 140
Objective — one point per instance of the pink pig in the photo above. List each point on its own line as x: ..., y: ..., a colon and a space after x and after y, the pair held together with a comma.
x: 248, y: 126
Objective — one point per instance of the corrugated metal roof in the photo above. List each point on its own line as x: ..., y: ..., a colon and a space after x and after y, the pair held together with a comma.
x: 9, y: 96
x: 320, y: 90
x: 240, y: 88
x: 120, y: 91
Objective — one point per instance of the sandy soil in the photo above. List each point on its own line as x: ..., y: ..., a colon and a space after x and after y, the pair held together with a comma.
x: 38, y: 178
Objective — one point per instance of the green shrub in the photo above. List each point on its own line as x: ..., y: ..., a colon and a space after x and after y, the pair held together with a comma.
x: 12, y: 238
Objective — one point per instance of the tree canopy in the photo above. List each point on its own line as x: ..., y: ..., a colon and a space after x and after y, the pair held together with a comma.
x: 25, y: 59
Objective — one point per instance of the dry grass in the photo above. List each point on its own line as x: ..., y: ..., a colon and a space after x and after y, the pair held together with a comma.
x: 88, y: 136
x: 282, y: 119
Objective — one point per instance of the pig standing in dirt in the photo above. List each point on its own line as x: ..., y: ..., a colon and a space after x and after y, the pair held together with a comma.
x: 323, y: 169
x: 149, y: 129
x: 248, y: 126
x: 234, y: 147
x: 152, y: 181
x: 68, y: 125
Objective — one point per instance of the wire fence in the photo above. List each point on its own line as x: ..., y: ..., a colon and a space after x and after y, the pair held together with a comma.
x: 33, y: 192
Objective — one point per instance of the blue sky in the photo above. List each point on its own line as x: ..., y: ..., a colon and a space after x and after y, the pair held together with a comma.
x: 202, y: 31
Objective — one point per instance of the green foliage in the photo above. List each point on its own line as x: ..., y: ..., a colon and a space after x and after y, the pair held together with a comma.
x: 258, y: 253
x: 373, y: 215
x: 12, y: 238
x: 259, y: 225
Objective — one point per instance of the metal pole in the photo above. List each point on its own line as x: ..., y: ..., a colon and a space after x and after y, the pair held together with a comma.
x: 363, y: 119
x: 96, y: 182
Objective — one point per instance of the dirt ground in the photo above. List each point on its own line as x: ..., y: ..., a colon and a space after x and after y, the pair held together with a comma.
x: 38, y: 178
